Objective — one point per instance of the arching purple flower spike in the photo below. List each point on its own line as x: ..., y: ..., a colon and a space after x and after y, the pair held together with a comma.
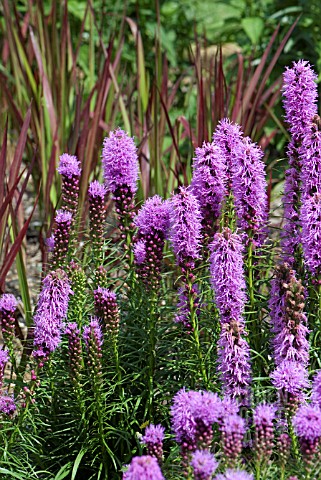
x: 8, y: 306
x: 120, y: 164
x: 203, y: 464
x: 63, y: 221
x: 69, y: 168
x: 107, y: 309
x: 152, y: 222
x: 153, y: 439
x: 249, y: 188
x: 4, y: 358
x: 299, y: 101
x: 228, y: 136
x: 51, y: 311
x: 227, y: 275
x: 288, y: 321
x: 185, y: 233
x: 307, y: 426
x: 209, y: 184
x: 143, y: 468
x: 97, y: 215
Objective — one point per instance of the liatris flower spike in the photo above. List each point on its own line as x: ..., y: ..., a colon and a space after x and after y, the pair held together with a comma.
x: 8, y: 306
x: 50, y: 312
x: 63, y: 222
x: 107, y: 309
x: 4, y: 358
x: 206, y: 409
x: 209, y: 184
x: 307, y: 426
x: 97, y: 215
x: 203, y: 464
x: 143, y: 468
x: 7, y: 405
x: 74, y: 351
x: 290, y: 379
x: 69, y: 168
x: 120, y: 164
x: 263, y: 417
x: 183, y: 423
x: 93, y: 338
x: 153, y: 439
x: 232, y: 433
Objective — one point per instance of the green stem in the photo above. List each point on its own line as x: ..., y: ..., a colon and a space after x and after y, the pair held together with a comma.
x: 152, y: 354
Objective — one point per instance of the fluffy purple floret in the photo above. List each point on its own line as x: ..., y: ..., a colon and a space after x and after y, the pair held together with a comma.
x: 106, y: 294
x: 154, y: 215
x: 50, y: 242
x: 4, y: 358
x: 51, y: 311
x: 154, y: 434
x: 185, y: 233
x: 209, y: 179
x: 235, y: 475
x: 310, y: 155
x: 183, y: 422
x: 7, y: 405
x: 139, y: 250
x: 69, y: 166
x: 234, y: 362
x: 206, y: 406
x: 227, y: 276
x: 307, y: 422
x: 234, y: 424
x: 299, y: 96
x: 120, y: 161
x: 229, y: 406
x: 249, y: 186
x: 97, y: 189
x: 93, y: 332
x: 311, y: 232
x: 290, y: 377
x: 228, y: 136
x: 203, y: 464
x: 8, y: 303
x: 264, y: 414
x: 316, y: 389
x: 63, y: 216
x: 143, y: 468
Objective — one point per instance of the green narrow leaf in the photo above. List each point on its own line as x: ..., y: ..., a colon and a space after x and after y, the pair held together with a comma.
x: 77, y: 463
x: 63, y: 472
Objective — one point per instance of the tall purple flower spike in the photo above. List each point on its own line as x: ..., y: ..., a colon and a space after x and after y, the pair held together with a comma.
x: 107, y: 309
x: 51, y: 311
x: 153, y: 439
x: 97, y: 215
x: 263, y: 417
x: 69, y: 169
x: 209, y: 184
x: 204, y: 465
x: 8, y: 305
x: 63, y: 223
x: 232, y: 433
x: 185, y: 232
x: 300, y: 104
x: 143, y: 468
x: 291, y: 380
x: 249, y: 189
x: 311, y: 232
x: 307, y: 426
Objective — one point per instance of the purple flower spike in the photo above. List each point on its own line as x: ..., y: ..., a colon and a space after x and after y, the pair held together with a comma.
x: 307, y: 426
x: 249, y: 188
x: 51, y: 312
x: 153, y: 439
x: 93, y: 334
x: 203, y: 464
x: 235, y: 475
x: 154, y: 215
x: 107, y: 309
x: 120, y: 162
x: 63, y: 221
x: 299, y: 96
x: 185, y: 234
x: 316, y: 390
x: 143, y: 468
x: 206, y: 409
x: 290, y: 379
x: 139, y: 250
x: 232, y: 433
x: 8, y: 305
x: 75, y: 350
x: 7, y: 405
x: 69, y: 168
x: 311, y: 232
x: 263, y: 417
x: 209, y: 184
x: 97, y: 215
x: 227, y: 275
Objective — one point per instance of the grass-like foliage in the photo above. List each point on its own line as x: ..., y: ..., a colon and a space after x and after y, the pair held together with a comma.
x: 175, y: 338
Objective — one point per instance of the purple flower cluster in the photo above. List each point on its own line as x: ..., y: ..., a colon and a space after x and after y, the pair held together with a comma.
x: 97, y: 214
x: 8, y: 306
x: 107, y: 309
x: 311, y: 232
x: 235, y: 475
x: 93, y: 339
x: 152, y: 222
x: 209, y: 184
x: 153, y: 439
x: 203, y: 464
x: 143, y: 468
x: 185, y: 233
x: 263, y: 417
x: 227, y: 275
x: 228, y: 137
x: 50, y: 313
x: 290, y: 379
x: 63, y: 222
x: 249, y: 188
x: 288, y: 320
x: 307, y: 426
x: 7, y: 405
x: 232, y: 433
x: 4, y: 358
x: 69, y: 168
